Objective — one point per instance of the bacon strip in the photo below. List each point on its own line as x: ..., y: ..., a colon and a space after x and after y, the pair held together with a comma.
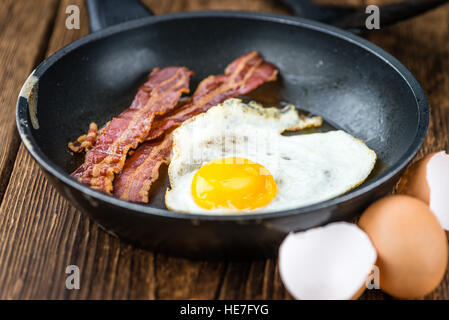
x: 157, y: 96
x: 241, y: 77
x: 142, y: 168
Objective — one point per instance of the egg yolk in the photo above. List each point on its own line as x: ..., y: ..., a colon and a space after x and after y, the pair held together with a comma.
x: 233, y: 183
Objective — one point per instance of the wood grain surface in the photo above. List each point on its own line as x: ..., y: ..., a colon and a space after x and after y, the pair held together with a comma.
x: 41, y: 234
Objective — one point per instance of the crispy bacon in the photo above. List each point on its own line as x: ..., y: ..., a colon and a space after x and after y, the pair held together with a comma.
x: 157, y: 96
x: 86, y: 141
x: 241, y: 77
x: 142, y: 168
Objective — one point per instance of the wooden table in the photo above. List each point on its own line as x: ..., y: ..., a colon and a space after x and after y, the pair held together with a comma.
x: 41, y: 234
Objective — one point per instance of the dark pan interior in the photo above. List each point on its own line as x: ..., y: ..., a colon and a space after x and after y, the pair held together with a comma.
x: 348, y: 86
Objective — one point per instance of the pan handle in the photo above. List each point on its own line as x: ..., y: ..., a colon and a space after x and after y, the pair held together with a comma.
x: 105, y: 13
x: 353, y: 18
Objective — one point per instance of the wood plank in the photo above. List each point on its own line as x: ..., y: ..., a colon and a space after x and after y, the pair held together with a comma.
x: 23, y: 38
x: 22, y: 239
x: 185, y: 279
x: 169, y: 6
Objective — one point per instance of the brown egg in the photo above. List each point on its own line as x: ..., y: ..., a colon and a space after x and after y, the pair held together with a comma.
x: 411, y: 246
x: 359, y: 292
x: 428, y: 180
x: 414, y: 181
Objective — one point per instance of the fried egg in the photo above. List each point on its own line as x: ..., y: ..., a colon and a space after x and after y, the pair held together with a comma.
x: 234, y: 159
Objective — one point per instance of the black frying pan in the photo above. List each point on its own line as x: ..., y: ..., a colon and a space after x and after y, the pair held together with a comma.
x: 351, y: 83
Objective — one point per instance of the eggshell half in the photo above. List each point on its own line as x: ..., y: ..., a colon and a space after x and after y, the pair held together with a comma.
x: 411, y: 246
x: 326, y: 263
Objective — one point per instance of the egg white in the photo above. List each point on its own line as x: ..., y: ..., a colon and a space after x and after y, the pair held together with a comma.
x: 307, y: 168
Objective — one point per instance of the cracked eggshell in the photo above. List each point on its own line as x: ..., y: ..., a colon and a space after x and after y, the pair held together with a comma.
x: 428, y: 180
x: 411, y: 246
x: 327, y: 263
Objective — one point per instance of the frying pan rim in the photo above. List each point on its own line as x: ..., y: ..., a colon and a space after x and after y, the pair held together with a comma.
x: 420, y: 98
